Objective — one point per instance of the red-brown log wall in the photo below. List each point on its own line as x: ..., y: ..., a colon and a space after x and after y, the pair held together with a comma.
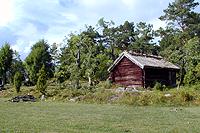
x: 127, y: 73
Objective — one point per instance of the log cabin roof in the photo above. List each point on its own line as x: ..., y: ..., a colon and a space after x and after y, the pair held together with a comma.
x: 144, y: 61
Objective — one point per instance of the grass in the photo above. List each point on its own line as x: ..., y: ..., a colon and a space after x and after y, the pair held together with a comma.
x: 54, y: 117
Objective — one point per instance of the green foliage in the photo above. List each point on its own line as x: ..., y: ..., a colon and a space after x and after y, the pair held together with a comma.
x: 180, y: 39
x: 193, y: 76
x: 18, y: 81
x: 143, y: 40
x: 6, y: 56
x: 17, y: 66
x: 42, y: 81
x: 40, y: 55
x: 192, y: 61
x: 158, y: 86
x: 180, y: 14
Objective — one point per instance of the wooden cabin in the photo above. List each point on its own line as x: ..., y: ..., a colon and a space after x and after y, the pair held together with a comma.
x: 139, y: 70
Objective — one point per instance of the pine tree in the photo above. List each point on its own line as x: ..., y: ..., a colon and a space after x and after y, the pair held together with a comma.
x: 39, y: 55
x: 42, y: 81
x: 17, y: 81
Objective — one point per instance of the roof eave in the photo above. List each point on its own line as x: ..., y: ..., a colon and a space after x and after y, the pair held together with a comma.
x: 175, y: 68
x: 121, y: 56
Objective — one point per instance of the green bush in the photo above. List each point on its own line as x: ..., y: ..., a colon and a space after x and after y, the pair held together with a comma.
x: 195, y: 87
x: 128, y: 98
x: 42, y: 81
x: 98, y: 97
x: 17, y: 81
x: 158, y: 86
x: 104, y: 85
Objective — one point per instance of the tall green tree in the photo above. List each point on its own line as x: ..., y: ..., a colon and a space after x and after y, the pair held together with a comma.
x: 84, y: 57
x: 6, y: 56
x: 144, y: 39
x: 42, y: 81
x: 125, y: 35
x: 39, y: 56
x: 109, y: 38
x: 182, y: 26
x: 70, y: 61
x: 192, y: 58
x: 54, y: 51
x: 17, y: 66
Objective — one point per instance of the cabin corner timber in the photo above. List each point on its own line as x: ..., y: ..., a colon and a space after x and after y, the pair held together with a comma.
x: 141, y: 70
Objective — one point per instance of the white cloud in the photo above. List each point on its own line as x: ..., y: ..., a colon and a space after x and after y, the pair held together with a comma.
x: 27, y: 36
x: 6, y: 12
x: 92, y: 3
x: 22, y: 46
x: 157, y: 23
x: 129, y: 3
x: 70, y: 16
x: 28, y: 31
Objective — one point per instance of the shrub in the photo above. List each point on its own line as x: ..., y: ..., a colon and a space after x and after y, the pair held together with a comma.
x: 42, y: 81
x: 129, y: 98
x: 17, y: 81
x: 158, y: 86
x: 196, y: 87
x: 104, y: 85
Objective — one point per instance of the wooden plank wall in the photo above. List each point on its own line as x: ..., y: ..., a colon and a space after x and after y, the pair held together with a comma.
x: 127, y: 73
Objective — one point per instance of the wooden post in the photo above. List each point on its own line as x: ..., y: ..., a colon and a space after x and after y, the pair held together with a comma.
x: 143, y: 78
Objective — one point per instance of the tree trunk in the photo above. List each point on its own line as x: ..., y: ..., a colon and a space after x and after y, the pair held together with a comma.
x: 4, y: 78
x: 181, y: 78
x: 113, y: 53
x: 89, y: 80
x: 77, y: 85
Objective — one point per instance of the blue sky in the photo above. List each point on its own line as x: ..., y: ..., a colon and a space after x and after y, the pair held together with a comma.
x: 23, y: 22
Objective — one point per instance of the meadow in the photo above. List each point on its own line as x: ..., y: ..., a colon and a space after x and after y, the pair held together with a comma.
x: 55, y: 117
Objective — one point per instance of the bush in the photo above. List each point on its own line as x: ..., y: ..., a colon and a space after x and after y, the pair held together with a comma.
x: 42, y: 81
x: 17, y: 81
x: 196, y: 87
x: 158, y: 86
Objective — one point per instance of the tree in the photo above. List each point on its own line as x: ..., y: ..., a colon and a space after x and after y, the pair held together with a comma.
x: 6, y: 55
x: 70, y: 61
x: 39, y: 56
x: 182, y: 26
x: 192, y: 58
x: 180, y: 15
x: 42, y: 81
x: 125, y: 35
x: 17, y: 81
x: 16, y: 66
x: 109, y: 38
x: 54, y: 51
x: 144, y: 40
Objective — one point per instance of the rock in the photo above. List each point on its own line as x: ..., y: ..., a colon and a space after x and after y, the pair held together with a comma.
x: 114, y: 98
x: 74, y: 99
x: 42, y: 98
x: 24, y: 98
x: 128, y: 89
x: 167, y: 95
